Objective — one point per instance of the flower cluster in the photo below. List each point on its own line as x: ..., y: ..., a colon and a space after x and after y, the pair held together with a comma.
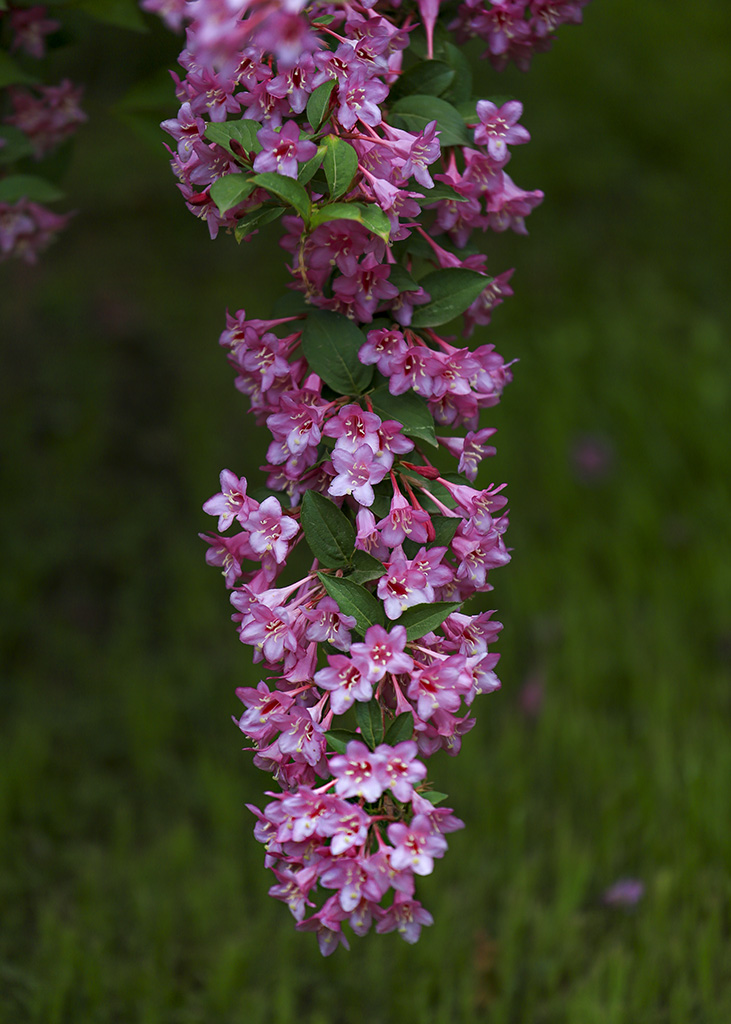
x: 36, y: 120
x: 515, y: 29
x: 355, y: 123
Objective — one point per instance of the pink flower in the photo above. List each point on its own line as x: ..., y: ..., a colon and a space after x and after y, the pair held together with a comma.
x: 356, y: 473
x: 282, y: 150
x: 270, y: 529
x: 382, y: 652
x: 231, y: 502
x: 359, y: 772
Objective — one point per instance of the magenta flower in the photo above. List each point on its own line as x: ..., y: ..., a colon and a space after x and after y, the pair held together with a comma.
x: 415, y: 846
x: 626, y: 892
x: 356, y: 473
x: 393, y: 542
x: 359, y: 772
x: 499, y: 128
x: 282, y: 150
x: 270, y: 529
x: 382, y: 652
x: 231, y: 502
x: 345, y: 681
x: 406, y: 916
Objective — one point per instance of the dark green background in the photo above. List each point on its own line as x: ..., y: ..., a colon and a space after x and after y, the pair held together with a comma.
x: 130, y: 885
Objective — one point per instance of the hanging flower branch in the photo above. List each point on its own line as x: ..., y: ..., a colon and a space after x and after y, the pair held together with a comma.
x: 354, y: 122
x: 35, y: 119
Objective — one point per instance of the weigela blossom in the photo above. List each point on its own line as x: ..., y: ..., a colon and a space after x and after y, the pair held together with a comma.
x: 372, y: 665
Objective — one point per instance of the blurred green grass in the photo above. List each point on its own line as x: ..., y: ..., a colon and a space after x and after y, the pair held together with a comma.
x: 130, y: 884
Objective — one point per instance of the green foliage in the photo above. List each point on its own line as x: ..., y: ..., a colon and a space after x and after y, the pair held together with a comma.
x: 230, y: 190
x: 243, y: 132
x: 256, y: 219
x: 119, y: 13
x: 331, y: 342
x: 16, y: 144
x: 328, y: 531
x: 318, y: 103
x: 423, y: 618
x: 352, y: 599
x: 369, y: 717
x: 429, y: 78
x: 400, y: 729
x: 371, y: 217
x: 409, y: 409
x: 414, y: 113
x: 131, y: 886
x: 28, y: 186
x: 451, y: 292
x: 289, y: 191
x: 366, y: 568
x: 11, y: 73
x: 340, y: 164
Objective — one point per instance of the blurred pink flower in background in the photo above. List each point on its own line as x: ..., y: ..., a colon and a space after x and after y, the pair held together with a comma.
x: 626, y: 892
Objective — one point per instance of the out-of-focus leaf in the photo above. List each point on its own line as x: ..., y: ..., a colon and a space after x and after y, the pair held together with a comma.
x: 11, y: 73
x: 28, y: 186
x: 17, y: 144
x: 121, y: 13
x: 427, y: 78
x: 413, y: 113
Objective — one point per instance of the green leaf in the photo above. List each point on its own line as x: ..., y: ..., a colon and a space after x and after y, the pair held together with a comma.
x: 318, y: 103
x: 409, y: 409
x: 121, y: 13
x: 340, y: 738
x: 376, y: 221
x: 352, y: 599
x: 370, y: 721
x: 445, y: 528
x: 17, y: 144
x: 435, y: 798
x: 255, y: 220
x: 243, y: 132
x: 12, y: 73
x: 371, y: 217
x: 328, y: 531
x: 461, y: 87
x: 427, y: 78
x: 423, y: 618
x: 413, y: 113
x: 440, y: 191
x: 230, y: 190
x: 286, y: 189
x: 400, y: 729
x: 340, y: 165
x: 451, y: 291
x: 331, y: 343
x: 366, y: 568
x: 28, y: 186
x: 308, y: 169
x: 401, y: 279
